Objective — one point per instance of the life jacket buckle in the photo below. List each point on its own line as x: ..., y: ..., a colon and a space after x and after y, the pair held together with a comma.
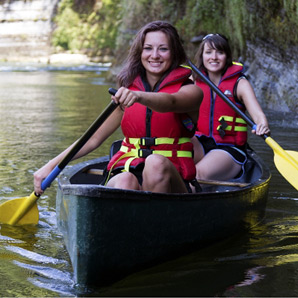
x: 144, y: 152
x: 222, y: 127
x: 147, y: 141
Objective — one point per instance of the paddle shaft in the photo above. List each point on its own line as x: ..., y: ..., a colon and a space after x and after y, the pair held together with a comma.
x: 81, y: 142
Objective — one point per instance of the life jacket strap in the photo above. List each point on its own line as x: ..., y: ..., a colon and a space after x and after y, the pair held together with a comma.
x: 148, y: 141
x: 225, y: 127
x: 138, y: 152
x: 143, y: 153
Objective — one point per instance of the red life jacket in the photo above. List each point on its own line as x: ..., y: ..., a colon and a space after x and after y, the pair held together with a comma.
x: 216, y: 118
x: 149, y: 132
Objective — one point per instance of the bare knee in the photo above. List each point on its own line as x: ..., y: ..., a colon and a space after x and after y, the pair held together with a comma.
x: 202, y: 172
x: 124, y: 180
x: 157, y: 174
x: 219, y: 167
x: 156, y: 166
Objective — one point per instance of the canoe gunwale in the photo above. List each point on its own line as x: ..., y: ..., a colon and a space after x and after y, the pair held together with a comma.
x: 93, y: 190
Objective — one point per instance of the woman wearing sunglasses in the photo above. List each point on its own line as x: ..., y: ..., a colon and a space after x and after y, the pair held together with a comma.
x: 221, y: 138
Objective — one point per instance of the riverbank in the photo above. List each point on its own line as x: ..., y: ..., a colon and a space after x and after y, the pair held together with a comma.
x: 273, y: 74
x: 57, y: 59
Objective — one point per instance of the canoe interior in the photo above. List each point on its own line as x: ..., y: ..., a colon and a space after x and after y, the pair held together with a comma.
x: 110, y: 233
x: 253, y: 172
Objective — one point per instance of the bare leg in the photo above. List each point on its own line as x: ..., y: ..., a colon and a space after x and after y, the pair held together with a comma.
x: 217, y: 164
x: 160, y: 175
x: 124, y: 180
x: 198, y: 149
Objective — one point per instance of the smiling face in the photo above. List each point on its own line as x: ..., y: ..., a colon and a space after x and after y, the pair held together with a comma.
x: 214, y: 60
x: 156, y: 55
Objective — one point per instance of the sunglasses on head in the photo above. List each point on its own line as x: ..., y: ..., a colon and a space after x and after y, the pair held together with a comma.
x: 216, y: 34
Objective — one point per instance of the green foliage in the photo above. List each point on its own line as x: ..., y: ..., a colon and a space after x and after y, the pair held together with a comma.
x: 92, y: 29
x: 276, y: 21
x: 66, y: 34
x: 107, y: 26
x: 242, y: 20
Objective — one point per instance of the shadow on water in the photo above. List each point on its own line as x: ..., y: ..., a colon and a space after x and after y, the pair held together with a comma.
x: 202, y: 273
x: 258, y: 263
x: 42, y: 111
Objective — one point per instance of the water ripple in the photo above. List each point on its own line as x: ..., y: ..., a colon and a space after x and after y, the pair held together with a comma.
x: 34, y: 256
x: 47, y: 277
x: 48, y: 272
x: 58, y: 288
x: 5, y: 239
x: 252, y: 276
x: 6, y: 190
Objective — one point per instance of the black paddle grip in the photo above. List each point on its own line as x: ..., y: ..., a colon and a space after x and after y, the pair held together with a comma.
x: 112, y: 91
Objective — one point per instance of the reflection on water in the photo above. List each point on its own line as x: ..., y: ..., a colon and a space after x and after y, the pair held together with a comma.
x: 41, y: 113
x: 32, y: 259
x: 44, y: 111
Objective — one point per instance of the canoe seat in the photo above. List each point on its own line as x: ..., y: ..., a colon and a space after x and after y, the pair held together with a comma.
x: 115, y: 147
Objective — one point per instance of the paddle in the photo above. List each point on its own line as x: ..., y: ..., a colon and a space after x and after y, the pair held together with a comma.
x: 285, y: 161
x: 24, y: 210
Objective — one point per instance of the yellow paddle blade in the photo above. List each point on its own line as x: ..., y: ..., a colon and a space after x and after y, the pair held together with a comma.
x: 287, y: 169
x: 286, y: 162
x: 21, y: 211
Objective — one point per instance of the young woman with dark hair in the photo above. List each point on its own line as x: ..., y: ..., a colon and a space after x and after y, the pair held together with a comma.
x: 158, y: 111
x: 221, y: 137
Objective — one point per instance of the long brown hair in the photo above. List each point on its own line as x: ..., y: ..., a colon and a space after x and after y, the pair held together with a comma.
x: 215, y: 41
x: 133, y: 64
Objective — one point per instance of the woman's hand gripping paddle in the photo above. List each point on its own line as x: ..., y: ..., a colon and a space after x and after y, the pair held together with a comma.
x: 23, y: 211
x: 285, y: 161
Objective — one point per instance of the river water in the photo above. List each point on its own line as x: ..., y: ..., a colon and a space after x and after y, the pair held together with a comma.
x: 42, y: 111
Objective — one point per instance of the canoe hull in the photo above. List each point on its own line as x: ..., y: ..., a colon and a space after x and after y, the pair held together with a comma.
x: 110, y: 233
